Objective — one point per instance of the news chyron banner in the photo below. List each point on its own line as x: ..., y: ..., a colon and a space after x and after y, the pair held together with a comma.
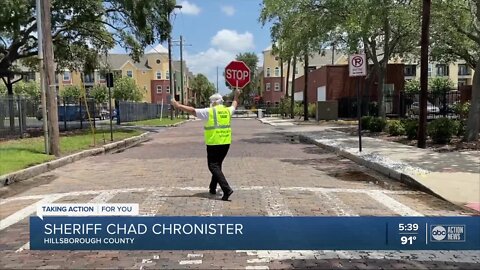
x: 119, y: 227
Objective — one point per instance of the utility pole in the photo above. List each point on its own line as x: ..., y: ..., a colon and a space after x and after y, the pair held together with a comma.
x: 43, y: 85
x: 181, y: 67
x: 170, y: 72
x: 52, y: 113
x: 422, y: 127
x: 305, y: 90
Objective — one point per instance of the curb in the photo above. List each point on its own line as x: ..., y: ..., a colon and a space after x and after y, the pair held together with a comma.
x: 8, y: 179
x: 171, y: 125
x: 378, y: 167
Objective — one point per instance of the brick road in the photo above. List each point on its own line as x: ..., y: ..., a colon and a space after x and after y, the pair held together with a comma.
x: 273, y: 174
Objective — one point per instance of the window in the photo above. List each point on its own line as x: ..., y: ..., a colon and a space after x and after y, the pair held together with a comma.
x: 277, y: 72
x: 30, y: 76
x: 463, y: 70
x: 277, y: 86
x: 159, y: 75
x: 410, y: 70
x: 429, y: 70
x: 296, y: 70
x: 442, y: 70
x: 89, y: 78
x: 130, y: 73
x: 167, y: 75
x: 268, y: 72
x: 267, y: 86
x: 66, y: 76
x: 168, y: 90
x: 159, y: 89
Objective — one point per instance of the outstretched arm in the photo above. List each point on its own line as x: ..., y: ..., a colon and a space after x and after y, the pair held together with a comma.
x: 182, y: 107
x: 235, y: 99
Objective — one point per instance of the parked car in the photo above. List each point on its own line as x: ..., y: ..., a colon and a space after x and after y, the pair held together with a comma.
x: 415, y: 108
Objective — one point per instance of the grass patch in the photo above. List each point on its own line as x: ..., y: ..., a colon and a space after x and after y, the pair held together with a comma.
x: 19, y: 154
x: 156, y: 122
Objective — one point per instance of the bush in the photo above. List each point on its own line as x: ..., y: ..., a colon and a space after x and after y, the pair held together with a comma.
x: 461, y: 127
x: 377, y: 124
x: 411, y: 128
x: 312, y: 110
x: 396, y: 128
x: 366, y: 122
x: 441, y: 130
x: 412, y: 87
x: 298, y: 110
x: 462, y: 109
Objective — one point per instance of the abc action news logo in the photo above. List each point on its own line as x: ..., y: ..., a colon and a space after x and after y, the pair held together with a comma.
x: 447, y: 233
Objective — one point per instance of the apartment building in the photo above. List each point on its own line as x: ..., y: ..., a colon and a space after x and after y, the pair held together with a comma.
x: 151, y: 74
x: 459, y: 72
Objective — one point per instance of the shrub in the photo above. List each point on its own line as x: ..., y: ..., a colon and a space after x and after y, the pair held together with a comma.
x: 462, y: 109
x: 441, y: 130
x: 377, y: 124
x: 396, y: 128
x: 312, y: 110
x: 460, y: 127
x: 298, y: 110
x: 366, y: 122
x: 411, y: 128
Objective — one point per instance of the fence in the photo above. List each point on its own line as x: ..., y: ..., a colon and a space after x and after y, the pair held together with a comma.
x: 21, y: 115
x: 135, y: 111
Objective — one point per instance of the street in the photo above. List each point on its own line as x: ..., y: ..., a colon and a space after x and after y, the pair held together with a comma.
x: 272, y: 173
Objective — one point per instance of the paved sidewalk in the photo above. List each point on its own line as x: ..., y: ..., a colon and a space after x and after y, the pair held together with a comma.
x: 454, y: 176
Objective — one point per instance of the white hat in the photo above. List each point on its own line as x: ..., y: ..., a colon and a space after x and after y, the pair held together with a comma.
x: 216, y: 98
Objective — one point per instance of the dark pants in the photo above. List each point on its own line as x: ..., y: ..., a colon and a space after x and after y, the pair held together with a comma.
x: 215, y: 156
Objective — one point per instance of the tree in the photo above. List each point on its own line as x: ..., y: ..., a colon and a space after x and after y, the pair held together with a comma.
x: 440, y: 86
x: 202, y: 89
x: 71, y: 93
x: 82, y: 28
x: 30, y: 90
x: 412, y: 86
x: 126, y: 89
x: 99, y: 93
x: 456, y: 35
x: 251, y: 60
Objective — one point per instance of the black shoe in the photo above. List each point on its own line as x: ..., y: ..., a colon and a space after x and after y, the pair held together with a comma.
x: 213, y: 191
x: 226, y: 195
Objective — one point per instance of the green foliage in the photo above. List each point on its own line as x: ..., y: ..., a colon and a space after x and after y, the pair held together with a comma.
x: 411, y: 128
x: 366, y: 120
x: 461, y: 127
x: 3, y: 89
x: 71, y: 93
x: 251, y: 60
x: 440, y: 85
x: 203, y: 88
x: 285, y: 106
x: 396, y: 128
x: 99, y: 93
x: 462, y: 109
x: 83, y: 29
x: 441, y: 130
x: 312, y: 110
x: 412, y: 86
x: 126, y: 89
x: 377, y: 124
x: 298, y: 109
x: 30, y: 90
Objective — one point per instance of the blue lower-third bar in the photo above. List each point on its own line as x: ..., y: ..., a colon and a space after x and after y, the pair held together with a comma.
x: 258, y: 233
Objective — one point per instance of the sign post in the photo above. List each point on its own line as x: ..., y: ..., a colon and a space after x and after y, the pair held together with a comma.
x: 358, y: 68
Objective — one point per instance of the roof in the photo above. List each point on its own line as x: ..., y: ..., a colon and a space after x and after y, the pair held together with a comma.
x: 325, y: 58
x: 157, y: 49
x: 117, y: 61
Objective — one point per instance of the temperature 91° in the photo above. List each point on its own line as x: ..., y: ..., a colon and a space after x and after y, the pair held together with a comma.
x: 407, y: 240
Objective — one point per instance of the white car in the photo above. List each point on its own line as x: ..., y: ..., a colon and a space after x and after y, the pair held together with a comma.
x: 415, y: 108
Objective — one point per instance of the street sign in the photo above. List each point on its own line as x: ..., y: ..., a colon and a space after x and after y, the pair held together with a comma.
x: 237, y: 74
x: 357, y: 64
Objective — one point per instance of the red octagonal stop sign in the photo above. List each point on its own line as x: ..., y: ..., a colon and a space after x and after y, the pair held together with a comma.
x: 237, y: 74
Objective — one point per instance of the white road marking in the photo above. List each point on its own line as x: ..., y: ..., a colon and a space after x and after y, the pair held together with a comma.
x: 393, y: 204
x: 311, y: 189
x: 26, y: 212
x: 184, y: 262
x: 275, y: 203
x: 255, y: 267
x: 152, y: 203
x: 24, y: 247
x: 332, y: 202
x: 195, y: 255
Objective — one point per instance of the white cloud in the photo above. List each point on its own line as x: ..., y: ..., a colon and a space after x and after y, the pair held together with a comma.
x: 190, y: 8
x: 228, y: 10
x: 230, y: 40
x: 225, y: 46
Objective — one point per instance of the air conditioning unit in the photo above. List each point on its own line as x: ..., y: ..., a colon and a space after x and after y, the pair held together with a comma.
x: 327, y: 110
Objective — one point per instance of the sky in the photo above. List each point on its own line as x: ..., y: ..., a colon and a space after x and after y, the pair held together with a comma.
x: 215, y: 31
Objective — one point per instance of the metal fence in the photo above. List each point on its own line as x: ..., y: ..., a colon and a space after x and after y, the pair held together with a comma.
x: 20, y: 116
x: 135, y: 111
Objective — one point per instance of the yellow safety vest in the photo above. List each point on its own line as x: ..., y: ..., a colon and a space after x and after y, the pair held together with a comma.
x: 217, y: 128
